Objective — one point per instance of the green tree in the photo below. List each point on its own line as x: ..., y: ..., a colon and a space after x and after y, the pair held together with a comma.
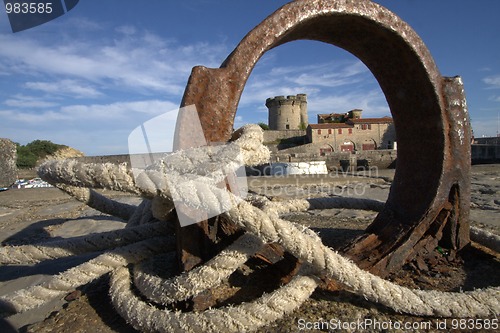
x: 264, y: 126
x: 25, y: 157
x: 28, y: 155
x: 43, y: 148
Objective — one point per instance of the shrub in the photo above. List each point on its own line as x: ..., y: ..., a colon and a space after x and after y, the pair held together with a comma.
x: 264, y: 126
x: 28, y: 155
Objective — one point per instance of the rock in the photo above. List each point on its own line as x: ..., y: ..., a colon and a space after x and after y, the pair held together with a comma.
x: 74, y: 295
x: 487, y: 191
x: 423, y: 279
x: 443, y: 269
x: 422, y: 266
x: 62, y: 154
x: 8, y: 157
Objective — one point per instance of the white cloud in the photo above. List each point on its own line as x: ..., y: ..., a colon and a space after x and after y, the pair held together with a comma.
x: 22, y: 101
x: 330, y: 75
x: 126, y: 29
x: 492, y: 81
x: 95, y: 113
x: 72, y: 88
x: 77, y: 23
x: 94, y: 129
x: 125, y: 67
x: 18, y: 119
x: 331, y: 87
x: 117, y: 111
x: 372, y: 103
x: 484, y: 126
x: 141, y: 61
x: 313, y: 79
x: 238, y: 122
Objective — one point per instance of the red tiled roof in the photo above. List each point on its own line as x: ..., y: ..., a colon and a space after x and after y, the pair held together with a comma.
x: 330, y: 125
x: 383, y: 120
x: 328, y: 115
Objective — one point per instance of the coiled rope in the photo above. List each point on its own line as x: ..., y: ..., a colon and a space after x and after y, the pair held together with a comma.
x: 196, y: 173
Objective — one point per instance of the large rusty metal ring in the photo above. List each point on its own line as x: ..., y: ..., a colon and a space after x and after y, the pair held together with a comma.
x: 431, y: 191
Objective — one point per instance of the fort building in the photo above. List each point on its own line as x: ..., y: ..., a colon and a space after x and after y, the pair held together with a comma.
x: 339, y: 117
x: 291, y: 138
x: 288, y: 113
x: 354, y: 133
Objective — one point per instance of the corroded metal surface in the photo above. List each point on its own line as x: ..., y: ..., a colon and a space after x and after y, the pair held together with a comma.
x: 429, y: 197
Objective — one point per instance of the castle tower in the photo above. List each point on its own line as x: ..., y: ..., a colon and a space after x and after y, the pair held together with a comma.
x: 355, y: 114
x: 304, y: 119
x: 288, y: 113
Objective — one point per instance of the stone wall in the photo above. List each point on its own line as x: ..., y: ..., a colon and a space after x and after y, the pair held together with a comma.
x: 138, y: 159
x: 115, y: 159
x: 484, y: 153
x: 382, y: 159
x: 8, y: 158
x: 309, y: 148
x: 381, y: 136
x: 492, y: 140
x: 276, y: 136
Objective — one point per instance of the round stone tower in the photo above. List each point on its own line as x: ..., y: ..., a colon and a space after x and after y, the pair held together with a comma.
x: 355, y: 114
x: 288, y: 113
x: 304, y: 120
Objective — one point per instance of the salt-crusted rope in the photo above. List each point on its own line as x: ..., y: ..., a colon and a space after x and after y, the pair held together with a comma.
x: 98, y: 201
x: 270, y: 228
x: 111, y: 176
x: 34, y: 296
x: 481, y: 236
x: 191, y: 283
x: 31, y: 254
x: 300, y: 205
x: 142, y: 215
x: 485, y: 238
x: 242, y: 318
x: 208, y: 167
x: 326, y: 261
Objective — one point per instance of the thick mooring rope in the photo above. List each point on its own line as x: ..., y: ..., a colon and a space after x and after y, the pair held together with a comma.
x: 333, y: 265
x: 99, y: 202
x: 199, y: 279
x: 196, y: 174
x: 485, y: 238
x: 32, y: 254
x: 34, y: 296
x: 242, y: 318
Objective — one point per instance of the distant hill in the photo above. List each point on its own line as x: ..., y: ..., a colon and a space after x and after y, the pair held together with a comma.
x: 62, y: 153
x: 38, y: 151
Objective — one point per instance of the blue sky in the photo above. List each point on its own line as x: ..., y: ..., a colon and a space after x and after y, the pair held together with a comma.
x: 89, y: 77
